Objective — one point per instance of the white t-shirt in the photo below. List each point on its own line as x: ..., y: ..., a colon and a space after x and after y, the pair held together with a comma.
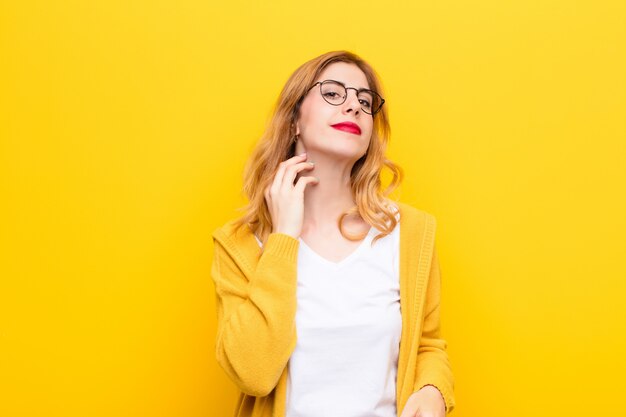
x: 348, y: 325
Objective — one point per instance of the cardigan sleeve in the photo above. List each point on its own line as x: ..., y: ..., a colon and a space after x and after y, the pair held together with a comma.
x: 433, y: 365
x: 256, y: 331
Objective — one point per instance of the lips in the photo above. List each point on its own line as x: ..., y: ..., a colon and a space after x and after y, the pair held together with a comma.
x: 348, y: 127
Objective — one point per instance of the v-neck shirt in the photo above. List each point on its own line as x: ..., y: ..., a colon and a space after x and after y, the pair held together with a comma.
x: 314, y: 256
x: 348, y: 325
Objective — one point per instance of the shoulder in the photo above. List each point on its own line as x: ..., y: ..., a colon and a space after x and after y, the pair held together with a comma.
x: 232, y: 232
x: 414, y: 214
x: 228, y: 227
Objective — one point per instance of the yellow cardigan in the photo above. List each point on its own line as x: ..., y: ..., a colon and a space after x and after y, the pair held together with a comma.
x: 256, y: 308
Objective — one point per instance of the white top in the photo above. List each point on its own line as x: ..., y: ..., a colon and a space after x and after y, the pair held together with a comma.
x: 348, y: 325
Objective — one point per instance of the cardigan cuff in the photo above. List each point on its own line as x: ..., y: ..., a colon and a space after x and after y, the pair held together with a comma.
x: 448, y: 399
x: 282, y: 245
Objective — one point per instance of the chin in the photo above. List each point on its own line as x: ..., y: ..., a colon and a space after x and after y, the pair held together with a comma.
x: 343, y: 146
x: 347, y: 154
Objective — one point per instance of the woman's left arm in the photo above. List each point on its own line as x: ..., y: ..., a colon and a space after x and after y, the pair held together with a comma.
x: 433, y: 391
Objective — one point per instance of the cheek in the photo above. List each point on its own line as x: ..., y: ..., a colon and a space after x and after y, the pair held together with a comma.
x: 312, y: 115
x: 316, y: 119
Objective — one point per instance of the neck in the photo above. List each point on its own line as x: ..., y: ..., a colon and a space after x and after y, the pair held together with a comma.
x: 325, y: 201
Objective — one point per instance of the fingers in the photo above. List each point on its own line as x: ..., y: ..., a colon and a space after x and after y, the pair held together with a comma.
x: 285, y: 178
x: 278, y: 178
x: 303, y: 182
x: 292, y: 171
x: 285, y: 199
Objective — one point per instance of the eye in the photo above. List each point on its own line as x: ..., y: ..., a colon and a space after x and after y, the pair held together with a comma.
x: 331, y: 94
x: 365, y: 103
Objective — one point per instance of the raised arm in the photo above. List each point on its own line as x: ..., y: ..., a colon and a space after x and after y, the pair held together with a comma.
x: 256, y: 329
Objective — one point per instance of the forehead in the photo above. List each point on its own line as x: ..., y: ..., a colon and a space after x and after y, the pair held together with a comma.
x: 349, y: 74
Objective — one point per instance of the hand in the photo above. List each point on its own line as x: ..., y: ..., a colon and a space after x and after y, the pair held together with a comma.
x: 427, y: 402
x: 286, y: 200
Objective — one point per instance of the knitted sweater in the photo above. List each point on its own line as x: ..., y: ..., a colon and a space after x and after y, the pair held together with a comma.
x: 256, y: 307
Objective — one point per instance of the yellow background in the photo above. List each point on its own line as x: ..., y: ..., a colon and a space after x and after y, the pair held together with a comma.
x: 124, y: 129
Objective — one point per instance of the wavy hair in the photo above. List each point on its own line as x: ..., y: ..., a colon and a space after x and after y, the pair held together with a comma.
x: 276, y: 145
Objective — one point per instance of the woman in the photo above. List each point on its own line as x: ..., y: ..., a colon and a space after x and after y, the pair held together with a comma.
x: 327, y: 291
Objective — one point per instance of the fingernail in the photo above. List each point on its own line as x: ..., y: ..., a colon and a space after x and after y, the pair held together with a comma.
x: 302, y: 154
x: 311, y: 163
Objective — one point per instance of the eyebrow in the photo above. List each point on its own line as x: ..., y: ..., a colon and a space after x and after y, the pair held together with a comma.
x: 359, y: 89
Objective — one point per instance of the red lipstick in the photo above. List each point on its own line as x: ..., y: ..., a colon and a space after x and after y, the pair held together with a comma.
x: 348, y: 127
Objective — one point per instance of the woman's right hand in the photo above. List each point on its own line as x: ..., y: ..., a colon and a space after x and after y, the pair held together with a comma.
x: 286, y: 200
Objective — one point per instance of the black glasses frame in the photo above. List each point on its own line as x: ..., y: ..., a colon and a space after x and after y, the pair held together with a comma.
x: 345, y: 97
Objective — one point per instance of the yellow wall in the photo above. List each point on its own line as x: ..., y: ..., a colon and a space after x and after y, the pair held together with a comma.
x: 124, y: 129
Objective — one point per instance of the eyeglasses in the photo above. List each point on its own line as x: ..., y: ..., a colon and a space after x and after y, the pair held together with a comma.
x: 335, y: 93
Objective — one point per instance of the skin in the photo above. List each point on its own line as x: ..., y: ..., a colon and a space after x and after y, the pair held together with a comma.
x: 310, y: 208
x: 313, y: 215
x: 427, y: 402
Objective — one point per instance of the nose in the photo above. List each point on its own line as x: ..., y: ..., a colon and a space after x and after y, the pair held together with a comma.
x: 352, y: 101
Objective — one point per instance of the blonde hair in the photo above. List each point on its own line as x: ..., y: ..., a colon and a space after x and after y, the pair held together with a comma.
x: 276, y: 145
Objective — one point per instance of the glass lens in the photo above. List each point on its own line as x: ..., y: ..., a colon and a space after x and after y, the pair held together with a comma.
x: 367, y: 101
x: 333, y: 92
